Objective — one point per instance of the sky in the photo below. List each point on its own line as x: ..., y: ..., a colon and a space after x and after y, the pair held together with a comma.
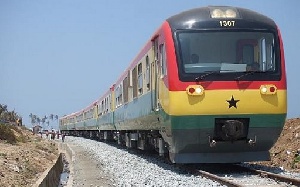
x: 58, y: 56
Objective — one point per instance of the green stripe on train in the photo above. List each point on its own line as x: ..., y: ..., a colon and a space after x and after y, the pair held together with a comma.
x: 207, y: 121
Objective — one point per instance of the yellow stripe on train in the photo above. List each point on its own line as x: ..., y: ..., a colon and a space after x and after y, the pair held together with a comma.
x: 223, y: 102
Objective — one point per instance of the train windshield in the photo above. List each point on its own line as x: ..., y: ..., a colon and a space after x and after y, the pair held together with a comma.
x: 228, y: 55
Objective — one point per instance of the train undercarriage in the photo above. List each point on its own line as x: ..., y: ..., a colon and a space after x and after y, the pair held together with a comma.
x: 144, y: 140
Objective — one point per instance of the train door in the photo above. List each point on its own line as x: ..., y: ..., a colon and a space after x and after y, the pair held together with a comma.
x: 155, y: 72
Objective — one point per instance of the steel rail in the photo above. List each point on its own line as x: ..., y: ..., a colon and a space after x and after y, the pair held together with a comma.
x: 217, y: 178
x: 276, y: 177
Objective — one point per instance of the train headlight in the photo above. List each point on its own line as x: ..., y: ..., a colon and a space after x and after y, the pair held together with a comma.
x: 194, y: 90
x: 224, y: 12
x: 269, y: 89
x: 230, y: 13
x: 217, y: 13
x: 198, y: 90
x: 263, y: 89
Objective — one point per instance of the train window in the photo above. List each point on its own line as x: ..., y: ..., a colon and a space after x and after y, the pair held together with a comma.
x: 109, y: 103
x: 247, y: 53
x: 105, y: 105
x: 130, y: 85
x: 163, y: 60
x: 271, y: 65
x: 99, y: 109
x: 119, y: 95
x: 263, y: 53
x: 267, y: 55
x: 147, y: 73
x: 140, y: 79
x: 231, y: 52
x: 125, y: 89
x: 102, y: 107
x: 134, y: 82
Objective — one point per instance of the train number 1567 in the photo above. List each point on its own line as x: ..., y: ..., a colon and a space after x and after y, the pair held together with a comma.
x: 227, y: 23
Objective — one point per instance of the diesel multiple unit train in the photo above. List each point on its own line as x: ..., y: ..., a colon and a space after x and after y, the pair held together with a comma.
x: 208, y: 87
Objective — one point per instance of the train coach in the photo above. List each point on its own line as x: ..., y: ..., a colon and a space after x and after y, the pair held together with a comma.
x: 208, y: 87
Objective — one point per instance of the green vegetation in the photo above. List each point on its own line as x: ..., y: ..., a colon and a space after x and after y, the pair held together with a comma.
x: 9, y: 116
x: 7, y: 134
x: 12, y: 134
x: 3, y: 154
x: 297, y: 159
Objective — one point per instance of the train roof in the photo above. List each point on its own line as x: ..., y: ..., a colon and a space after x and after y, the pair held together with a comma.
x: 201, y: 18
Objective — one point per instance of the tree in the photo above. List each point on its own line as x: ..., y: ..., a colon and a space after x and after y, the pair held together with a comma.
x: 44, y: 120
x: 38, y: 120
x: 3, y: 108
x: 8, y: 116
x: 51, y: 116
x: 33, y: 118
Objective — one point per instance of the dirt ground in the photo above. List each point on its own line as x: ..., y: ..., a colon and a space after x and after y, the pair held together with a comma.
x: 87, y: 171
x: 22, y: 163
x: 286, y: 151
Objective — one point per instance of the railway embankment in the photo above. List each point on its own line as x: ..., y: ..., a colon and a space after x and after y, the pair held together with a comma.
x: 24, y: 156
x: 51, y: 177
x: 61, y: 172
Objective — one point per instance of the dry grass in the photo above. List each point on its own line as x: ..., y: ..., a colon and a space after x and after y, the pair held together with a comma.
x: 23, y: 156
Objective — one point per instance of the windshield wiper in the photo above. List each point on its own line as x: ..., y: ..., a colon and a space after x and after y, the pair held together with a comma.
x: 202, y: 77
x: 246, y: 73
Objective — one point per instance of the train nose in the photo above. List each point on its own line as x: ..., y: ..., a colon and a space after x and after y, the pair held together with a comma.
x: 232, y: 130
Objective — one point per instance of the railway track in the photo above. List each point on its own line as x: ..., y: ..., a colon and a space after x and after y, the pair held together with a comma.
x: 235, y: 175
x: 239, y: 176
x: 232, y: 175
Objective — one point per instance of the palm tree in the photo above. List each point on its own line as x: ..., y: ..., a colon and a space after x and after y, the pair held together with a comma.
x: 51, y: 116
x: 33, y: 118
x: 30, y: 115
x: 44, y: 120
x: 38, y: 120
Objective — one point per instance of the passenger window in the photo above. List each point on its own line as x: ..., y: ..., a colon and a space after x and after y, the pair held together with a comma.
x: 147, y: 73
x: 140, y: 79
x: 163, y: 60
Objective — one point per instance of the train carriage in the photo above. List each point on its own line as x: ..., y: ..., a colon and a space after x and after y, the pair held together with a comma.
x: 208, y: 87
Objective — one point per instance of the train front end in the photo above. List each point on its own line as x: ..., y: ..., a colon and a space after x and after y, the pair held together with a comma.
x: 227, y: 86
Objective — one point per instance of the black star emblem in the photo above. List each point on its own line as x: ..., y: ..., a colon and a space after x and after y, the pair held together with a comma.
x: 232, y: 102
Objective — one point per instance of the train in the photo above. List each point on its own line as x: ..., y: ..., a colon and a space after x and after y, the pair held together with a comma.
x: 209, y: 86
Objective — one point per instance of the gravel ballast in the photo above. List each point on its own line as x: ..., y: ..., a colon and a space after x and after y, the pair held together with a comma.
x: 103, y: 164
x: 129, y: 169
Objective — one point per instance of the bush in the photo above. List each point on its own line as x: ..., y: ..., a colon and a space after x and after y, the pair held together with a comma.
x: 6, y: 133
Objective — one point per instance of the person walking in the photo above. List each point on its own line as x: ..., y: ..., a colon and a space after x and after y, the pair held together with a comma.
x: 63, y: 137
